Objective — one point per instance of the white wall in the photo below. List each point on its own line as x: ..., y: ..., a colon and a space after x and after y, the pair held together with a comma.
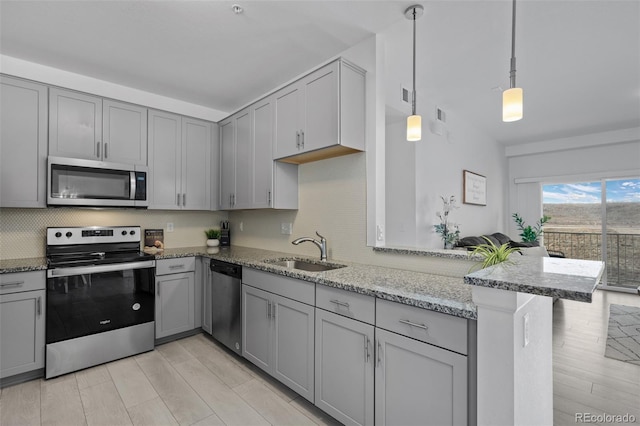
x: 614, y: 154
x: 419, y: 173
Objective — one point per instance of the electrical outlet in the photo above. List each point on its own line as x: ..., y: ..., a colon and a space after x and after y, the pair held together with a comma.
x: 286, y: 228
x: 241, y: 226
x: 170, y: 227
x: 380, y: 233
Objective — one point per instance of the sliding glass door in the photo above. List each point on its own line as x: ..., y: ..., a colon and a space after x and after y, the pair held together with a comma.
x: 597, y: 220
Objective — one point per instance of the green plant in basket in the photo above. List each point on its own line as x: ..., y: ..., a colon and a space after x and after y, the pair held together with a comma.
x: 530, y: 233
x: 212, y: 234
x: 492, y: 253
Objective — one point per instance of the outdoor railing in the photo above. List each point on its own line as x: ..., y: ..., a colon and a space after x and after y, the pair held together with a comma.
x: 623, y: 253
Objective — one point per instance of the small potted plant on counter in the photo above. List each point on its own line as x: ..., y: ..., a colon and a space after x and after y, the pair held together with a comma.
x: 213, y: 237
x: 492, y: 253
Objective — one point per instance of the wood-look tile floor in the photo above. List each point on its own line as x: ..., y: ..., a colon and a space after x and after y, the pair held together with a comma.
x: 584, y: 380
x: 194, y: 381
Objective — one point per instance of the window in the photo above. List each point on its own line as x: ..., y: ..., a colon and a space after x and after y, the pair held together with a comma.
x: 582, y: 213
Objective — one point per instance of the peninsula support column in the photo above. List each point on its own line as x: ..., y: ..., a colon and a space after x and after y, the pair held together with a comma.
x: 515, y: 371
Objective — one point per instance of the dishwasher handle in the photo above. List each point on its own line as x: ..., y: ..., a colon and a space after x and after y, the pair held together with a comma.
x: 224, y: 268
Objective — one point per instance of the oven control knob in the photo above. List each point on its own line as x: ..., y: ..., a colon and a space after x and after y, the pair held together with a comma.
x: 124, y: 232
x: 68, y: 234
x: 132, y: 233
x: 58, y: 234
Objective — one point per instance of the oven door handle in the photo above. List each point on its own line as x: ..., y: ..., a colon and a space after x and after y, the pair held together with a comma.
x: 68, y: 272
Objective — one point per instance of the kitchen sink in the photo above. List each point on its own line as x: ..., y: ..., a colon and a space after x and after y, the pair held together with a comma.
x: 305, y: 265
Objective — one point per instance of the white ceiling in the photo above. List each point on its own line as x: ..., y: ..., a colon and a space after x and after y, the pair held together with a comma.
x: 578, y: 61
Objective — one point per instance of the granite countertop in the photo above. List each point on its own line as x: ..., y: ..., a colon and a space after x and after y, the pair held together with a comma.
x: 456, y: 253
x: 571, y: 279
x: 434, y: 292
x: 9, y: 266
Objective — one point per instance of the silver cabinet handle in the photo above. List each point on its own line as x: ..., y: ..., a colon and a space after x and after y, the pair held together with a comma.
x: 379, y: 353
x: 268, y: 309
x: 413, y: 324
x: 339, y: 303
x: 106, y: 152
x: 181, y: 266
x: 234, y: 199
x: 98, y: 149
x: 179, y: 199
x: 158, y: 289
x: 302, y: 139
x: 268, y: 197
x: 12, y: 284
x: 39, y: 305
x: 367, y: 355
x: 298, y: 140
x: 273, y: 310
x: 184, y: 199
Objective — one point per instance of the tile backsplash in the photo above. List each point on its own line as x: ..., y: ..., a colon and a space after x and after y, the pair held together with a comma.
x: 23, y: 231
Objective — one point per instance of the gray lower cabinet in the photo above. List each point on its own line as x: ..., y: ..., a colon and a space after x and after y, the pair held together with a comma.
x: 207, y: 295
x: 278, y: 337
x: 23, y: 143
x: 423, y: 360
x: 22, y: 322
x: 175, y: 296
x: 344, y: 368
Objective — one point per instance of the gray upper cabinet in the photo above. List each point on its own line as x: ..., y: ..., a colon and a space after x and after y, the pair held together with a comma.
x: 22, y: 322
x: 179, y: 162
x: 249, y: 178
x: 86, y: 126
x: 321, y: 115
x: 23, y: 143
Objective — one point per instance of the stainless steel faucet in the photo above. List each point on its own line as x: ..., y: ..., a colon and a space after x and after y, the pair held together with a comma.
x: 322, y: 244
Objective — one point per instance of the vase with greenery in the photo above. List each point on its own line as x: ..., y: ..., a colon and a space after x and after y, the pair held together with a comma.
x: 213, y: 237
x: 528, y: 233
x: 492, y: 253
x: 449, y: 232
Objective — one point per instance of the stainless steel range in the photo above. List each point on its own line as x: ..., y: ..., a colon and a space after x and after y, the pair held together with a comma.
x: 100, y: 297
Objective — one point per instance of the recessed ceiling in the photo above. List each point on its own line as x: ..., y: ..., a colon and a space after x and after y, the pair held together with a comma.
x: 578, y: 61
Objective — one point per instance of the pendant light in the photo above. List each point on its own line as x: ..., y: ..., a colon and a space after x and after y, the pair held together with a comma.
x: 512, y: 98
x: 414, y: 122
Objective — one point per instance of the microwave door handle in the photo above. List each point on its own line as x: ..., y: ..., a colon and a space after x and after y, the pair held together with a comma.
x: 132, y: 185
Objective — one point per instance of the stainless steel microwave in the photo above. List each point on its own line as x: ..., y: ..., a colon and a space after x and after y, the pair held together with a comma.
x: 77, y: 182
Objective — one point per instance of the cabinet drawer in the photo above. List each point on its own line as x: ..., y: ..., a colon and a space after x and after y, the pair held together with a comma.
x: 300, y: 290
x: 22, y: 281
x: 432, y: 327
x: 174, y: 266
x: 346, y: 303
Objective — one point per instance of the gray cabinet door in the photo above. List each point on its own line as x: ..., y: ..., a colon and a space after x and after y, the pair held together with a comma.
x: 288, y: 102
x: 256, y: 326
x: 165, y: 132
x: 262, y: 154
x: 293, y: 343
x: 321, y: 111
x: 417, y: 383
x: 23, y: 143
x: 206, y: 296
x: 175, y: 304
x: 227, y: 163
x: 22, y: 320
x: 75, y: 125
x: 196, y: 164
x: 124, y: 133
x: 243, y: 160
x: 344, y: 368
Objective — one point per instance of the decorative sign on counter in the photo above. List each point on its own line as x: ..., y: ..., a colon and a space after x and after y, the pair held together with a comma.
x: 153, y: 240
x: 474, y: 188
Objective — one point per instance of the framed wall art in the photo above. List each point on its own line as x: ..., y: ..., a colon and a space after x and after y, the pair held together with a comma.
x: 474, y: 188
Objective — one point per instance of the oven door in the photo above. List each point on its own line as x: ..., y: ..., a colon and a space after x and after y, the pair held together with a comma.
x: 82, y: 301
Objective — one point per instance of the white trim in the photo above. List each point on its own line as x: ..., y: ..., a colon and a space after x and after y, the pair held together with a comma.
x: 574, y: 142
x: 582, y: 177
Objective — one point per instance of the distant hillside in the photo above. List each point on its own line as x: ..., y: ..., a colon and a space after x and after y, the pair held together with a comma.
x: 622, y: 217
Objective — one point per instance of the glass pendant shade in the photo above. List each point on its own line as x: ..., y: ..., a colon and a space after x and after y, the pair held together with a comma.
x: 414, y: 128
x: 512, y: 104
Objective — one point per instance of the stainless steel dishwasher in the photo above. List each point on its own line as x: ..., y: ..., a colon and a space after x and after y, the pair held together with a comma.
x: 226, y: 303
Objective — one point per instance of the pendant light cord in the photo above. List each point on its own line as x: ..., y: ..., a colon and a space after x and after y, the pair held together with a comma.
x: 413, y: 95
x: 512, y: 71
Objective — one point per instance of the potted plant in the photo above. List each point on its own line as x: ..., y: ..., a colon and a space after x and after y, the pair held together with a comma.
x: 449, y: 232
x: 528, y: 233
x: 213, y: 237
x: 492, y: 254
